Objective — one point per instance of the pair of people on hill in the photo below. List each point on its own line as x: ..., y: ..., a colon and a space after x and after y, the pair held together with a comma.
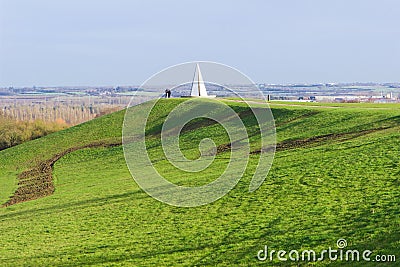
x: 167, y: 93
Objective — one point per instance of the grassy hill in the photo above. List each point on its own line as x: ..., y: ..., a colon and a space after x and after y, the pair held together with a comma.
x: 336, y: 174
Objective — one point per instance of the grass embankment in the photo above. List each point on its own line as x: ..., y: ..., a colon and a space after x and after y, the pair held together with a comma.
x: 335, y: 175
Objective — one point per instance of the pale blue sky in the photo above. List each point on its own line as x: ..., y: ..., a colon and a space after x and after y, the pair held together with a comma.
x: 122, y: 42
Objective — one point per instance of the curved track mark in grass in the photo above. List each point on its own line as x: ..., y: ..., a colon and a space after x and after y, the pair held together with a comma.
x: 302, y: 116
x: 292, y: 144
x: 38, y: 181
x: 317, y: 140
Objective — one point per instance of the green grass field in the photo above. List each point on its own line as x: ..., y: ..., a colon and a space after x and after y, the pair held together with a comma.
x: 336, y: 174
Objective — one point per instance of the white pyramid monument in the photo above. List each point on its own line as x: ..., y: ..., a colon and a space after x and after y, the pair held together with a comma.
x: 198, y: 86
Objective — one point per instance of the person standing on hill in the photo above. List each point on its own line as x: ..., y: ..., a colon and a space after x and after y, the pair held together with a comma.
x: 167, y: 93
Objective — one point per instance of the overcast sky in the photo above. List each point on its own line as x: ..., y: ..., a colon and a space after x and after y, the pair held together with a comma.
x: 123, y: 42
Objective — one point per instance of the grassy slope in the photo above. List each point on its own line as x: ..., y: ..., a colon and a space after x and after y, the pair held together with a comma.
x: 312, y: 197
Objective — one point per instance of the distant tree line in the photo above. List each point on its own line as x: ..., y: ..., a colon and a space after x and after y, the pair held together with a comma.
x: 21, y: 123
x: 72, y: 115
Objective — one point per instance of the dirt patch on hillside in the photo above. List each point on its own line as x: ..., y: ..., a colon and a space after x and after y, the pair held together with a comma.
x: 223, y: 148
x: 38, y: 181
